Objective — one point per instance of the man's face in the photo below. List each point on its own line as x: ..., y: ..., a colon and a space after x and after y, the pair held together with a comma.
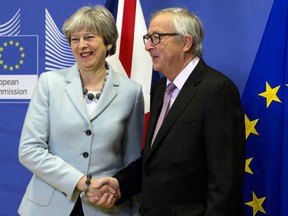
x: 166, y: 55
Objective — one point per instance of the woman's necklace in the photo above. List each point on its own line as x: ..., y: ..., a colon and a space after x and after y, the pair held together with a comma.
x: 89, y: 95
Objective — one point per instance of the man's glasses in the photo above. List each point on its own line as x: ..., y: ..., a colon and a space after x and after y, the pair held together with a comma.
x: 156, y: 37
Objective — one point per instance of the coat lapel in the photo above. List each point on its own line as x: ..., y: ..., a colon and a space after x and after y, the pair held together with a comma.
x: 75, y: 93
x: 155, y: 109
x: 183, y: 99
x: 110, y: 91
x: 74, y: 90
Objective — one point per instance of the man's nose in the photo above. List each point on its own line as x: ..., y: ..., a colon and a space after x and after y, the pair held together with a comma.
x: 149, y: 45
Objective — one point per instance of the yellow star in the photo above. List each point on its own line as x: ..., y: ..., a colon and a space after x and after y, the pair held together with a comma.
x: 11, y: 42
x: 250, y: 126
x: 270, y: 94
x: 247, y: 168
x: 256, y: 204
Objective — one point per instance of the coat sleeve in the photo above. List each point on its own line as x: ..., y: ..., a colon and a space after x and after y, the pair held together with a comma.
x: 34, y: 150
x: 130, y: 180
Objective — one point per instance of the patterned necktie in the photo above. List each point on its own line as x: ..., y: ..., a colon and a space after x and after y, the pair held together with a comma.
x: 165, y: 108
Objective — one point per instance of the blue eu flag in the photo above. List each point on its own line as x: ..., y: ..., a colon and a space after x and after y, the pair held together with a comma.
x: 18, y: 55
x: 265, y: 100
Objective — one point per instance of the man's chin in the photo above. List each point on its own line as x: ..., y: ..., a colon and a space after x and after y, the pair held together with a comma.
x: 156, y: 67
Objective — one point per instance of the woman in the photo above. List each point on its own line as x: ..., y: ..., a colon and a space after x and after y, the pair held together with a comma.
x: 81, y: 120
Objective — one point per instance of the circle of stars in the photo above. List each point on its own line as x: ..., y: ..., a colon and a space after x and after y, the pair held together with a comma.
x: 270, y: 94
x: 6, y: 45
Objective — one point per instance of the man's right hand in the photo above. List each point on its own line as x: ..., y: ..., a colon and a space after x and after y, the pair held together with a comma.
x: 108, y: 187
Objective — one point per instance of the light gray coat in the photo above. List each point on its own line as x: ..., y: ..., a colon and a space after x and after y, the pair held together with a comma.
x: 54, y: 140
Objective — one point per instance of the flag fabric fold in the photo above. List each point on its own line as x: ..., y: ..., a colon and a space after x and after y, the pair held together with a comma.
x: 130, y: 57
x: 264, y: 99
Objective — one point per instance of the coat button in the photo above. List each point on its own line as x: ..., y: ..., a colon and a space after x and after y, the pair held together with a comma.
x: 85, y: 154
x: 88, y: 132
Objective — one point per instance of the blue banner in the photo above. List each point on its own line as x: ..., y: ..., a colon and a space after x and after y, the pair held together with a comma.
x: 31, y: 42
x: 265, y: 100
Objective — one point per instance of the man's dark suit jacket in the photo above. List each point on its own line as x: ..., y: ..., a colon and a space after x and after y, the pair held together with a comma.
x: 196, y: 164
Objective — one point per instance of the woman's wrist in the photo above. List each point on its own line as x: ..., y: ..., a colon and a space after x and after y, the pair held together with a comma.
x: 82, y: 183
x: 87, y: 183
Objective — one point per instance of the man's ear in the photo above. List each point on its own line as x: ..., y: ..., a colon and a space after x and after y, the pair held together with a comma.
x: 188, y: 42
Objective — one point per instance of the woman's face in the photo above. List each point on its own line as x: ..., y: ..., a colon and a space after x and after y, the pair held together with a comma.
x: 89, y: 50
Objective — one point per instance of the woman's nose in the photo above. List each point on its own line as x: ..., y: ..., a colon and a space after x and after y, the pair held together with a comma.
x: 82, y: 42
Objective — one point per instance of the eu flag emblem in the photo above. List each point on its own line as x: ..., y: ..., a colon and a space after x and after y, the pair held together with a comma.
x: 265, y: 101
x: 19, y: 55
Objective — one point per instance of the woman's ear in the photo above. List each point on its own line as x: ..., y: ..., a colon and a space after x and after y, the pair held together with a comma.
x: 109, y: 47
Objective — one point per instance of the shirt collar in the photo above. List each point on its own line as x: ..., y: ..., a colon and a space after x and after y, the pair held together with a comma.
x: 185, y: 73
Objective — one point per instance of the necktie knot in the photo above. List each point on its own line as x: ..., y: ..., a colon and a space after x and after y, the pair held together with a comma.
x: 170, y: 87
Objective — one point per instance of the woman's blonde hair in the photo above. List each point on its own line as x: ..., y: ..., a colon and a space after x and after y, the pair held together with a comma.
x: 96, y: 19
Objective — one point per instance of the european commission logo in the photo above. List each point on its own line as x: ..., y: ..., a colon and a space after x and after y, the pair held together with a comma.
x: 18, y: 62
x: 58, y: 52
x: 18, y: 55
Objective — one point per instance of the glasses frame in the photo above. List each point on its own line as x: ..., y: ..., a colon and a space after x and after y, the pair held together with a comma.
x: 147, y: 36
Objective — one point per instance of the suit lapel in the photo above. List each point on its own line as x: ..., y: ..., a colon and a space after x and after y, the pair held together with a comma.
x: 110, y: 91
x: 155, y: 109
x: 74, y: 92
x: 183, y: 99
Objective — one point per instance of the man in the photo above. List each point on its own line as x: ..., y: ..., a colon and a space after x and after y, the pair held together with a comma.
x: 195, y: 164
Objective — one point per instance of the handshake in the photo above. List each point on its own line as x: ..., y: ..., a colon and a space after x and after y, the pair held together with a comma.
x: 100, y: 191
